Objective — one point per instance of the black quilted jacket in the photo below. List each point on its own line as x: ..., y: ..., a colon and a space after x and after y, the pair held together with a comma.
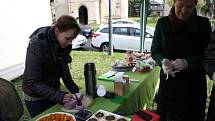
x: 46, y: 62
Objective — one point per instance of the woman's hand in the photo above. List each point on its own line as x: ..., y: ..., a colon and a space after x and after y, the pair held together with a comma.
x: 168, y: 68
x: 180, y: 64
x: 67, y: 98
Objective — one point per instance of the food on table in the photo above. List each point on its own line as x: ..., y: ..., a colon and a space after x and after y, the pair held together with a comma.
x: 118, y: 63
x: 141, y: 62
x: 83, y: 115
x: 122, y: 119
x: 143, y: 67
x: 102, y: 115
x: 121, y: 66
x: 93, y: 119
x: 138, y: 55
x: 99, y: 115
x: 150, y: 61
x: 129, y: 57
x: 57, y: 117
x: 141, y: 56
x: 110, y: 118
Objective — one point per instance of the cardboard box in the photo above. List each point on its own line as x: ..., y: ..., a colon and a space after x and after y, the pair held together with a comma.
x: 121, y: 87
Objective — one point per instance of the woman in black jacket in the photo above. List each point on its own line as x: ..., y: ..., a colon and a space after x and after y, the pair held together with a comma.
x: 210, y: 69
x: 47, y: 57
x: 178, y: 47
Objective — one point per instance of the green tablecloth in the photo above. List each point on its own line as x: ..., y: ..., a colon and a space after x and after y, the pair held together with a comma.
x: 139, y: 95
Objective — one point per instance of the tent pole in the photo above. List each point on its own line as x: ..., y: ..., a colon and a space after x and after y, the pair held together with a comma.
x: 110, y: 51
x: 143, y: 21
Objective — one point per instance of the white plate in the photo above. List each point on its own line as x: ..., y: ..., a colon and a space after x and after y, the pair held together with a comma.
x: 106, y: 113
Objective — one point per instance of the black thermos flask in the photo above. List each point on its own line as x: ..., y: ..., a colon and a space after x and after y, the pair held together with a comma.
x: 90, y: 79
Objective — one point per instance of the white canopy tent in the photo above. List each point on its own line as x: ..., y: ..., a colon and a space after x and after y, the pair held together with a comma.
x: 18, y: 20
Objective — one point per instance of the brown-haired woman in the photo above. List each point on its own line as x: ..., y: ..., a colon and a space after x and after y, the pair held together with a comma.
x: 178, y: 46
x: 47, y: 57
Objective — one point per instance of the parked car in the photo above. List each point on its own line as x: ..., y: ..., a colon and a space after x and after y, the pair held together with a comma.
x: 125, y: 37
x: 86, y: 30
x: 79, y: 42
x: 125, y: 21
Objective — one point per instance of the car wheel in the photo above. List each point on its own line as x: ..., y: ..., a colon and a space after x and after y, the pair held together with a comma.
x: 105, y: 47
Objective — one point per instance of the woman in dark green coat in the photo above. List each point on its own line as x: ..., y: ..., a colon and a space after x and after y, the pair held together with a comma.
x: 178, y: 47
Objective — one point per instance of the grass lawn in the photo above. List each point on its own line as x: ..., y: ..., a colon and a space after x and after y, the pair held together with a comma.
x: 94, y: 26
x: 103, y: 64
x: 212, y: 21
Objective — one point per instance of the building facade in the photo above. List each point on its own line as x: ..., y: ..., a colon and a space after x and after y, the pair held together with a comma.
x: 89, y: 11
x: 156, y: 8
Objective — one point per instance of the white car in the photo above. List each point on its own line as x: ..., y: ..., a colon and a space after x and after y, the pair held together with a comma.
x: 125, y: 37
x: 79, y: 42
x: 125, y: 21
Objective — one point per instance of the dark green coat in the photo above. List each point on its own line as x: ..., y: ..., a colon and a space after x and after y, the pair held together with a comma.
x: 210, y: 69
x: 187, y: 42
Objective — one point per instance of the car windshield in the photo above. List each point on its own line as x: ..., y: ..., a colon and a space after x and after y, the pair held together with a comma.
x: 125, y: 22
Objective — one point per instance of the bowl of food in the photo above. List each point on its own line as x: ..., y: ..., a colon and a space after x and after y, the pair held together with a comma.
x: 57, y: 116
x: 121, y: 66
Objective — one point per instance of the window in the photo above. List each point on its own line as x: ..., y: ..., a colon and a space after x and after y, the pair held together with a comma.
x: 125, y: 22
x: 118, y: 22
x: 122, y: 22
x: 135, y: 32
x: 105, y: 30
x: 121, y: 31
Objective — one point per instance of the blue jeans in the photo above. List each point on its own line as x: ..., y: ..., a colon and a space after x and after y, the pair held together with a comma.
x: 37, y: 107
